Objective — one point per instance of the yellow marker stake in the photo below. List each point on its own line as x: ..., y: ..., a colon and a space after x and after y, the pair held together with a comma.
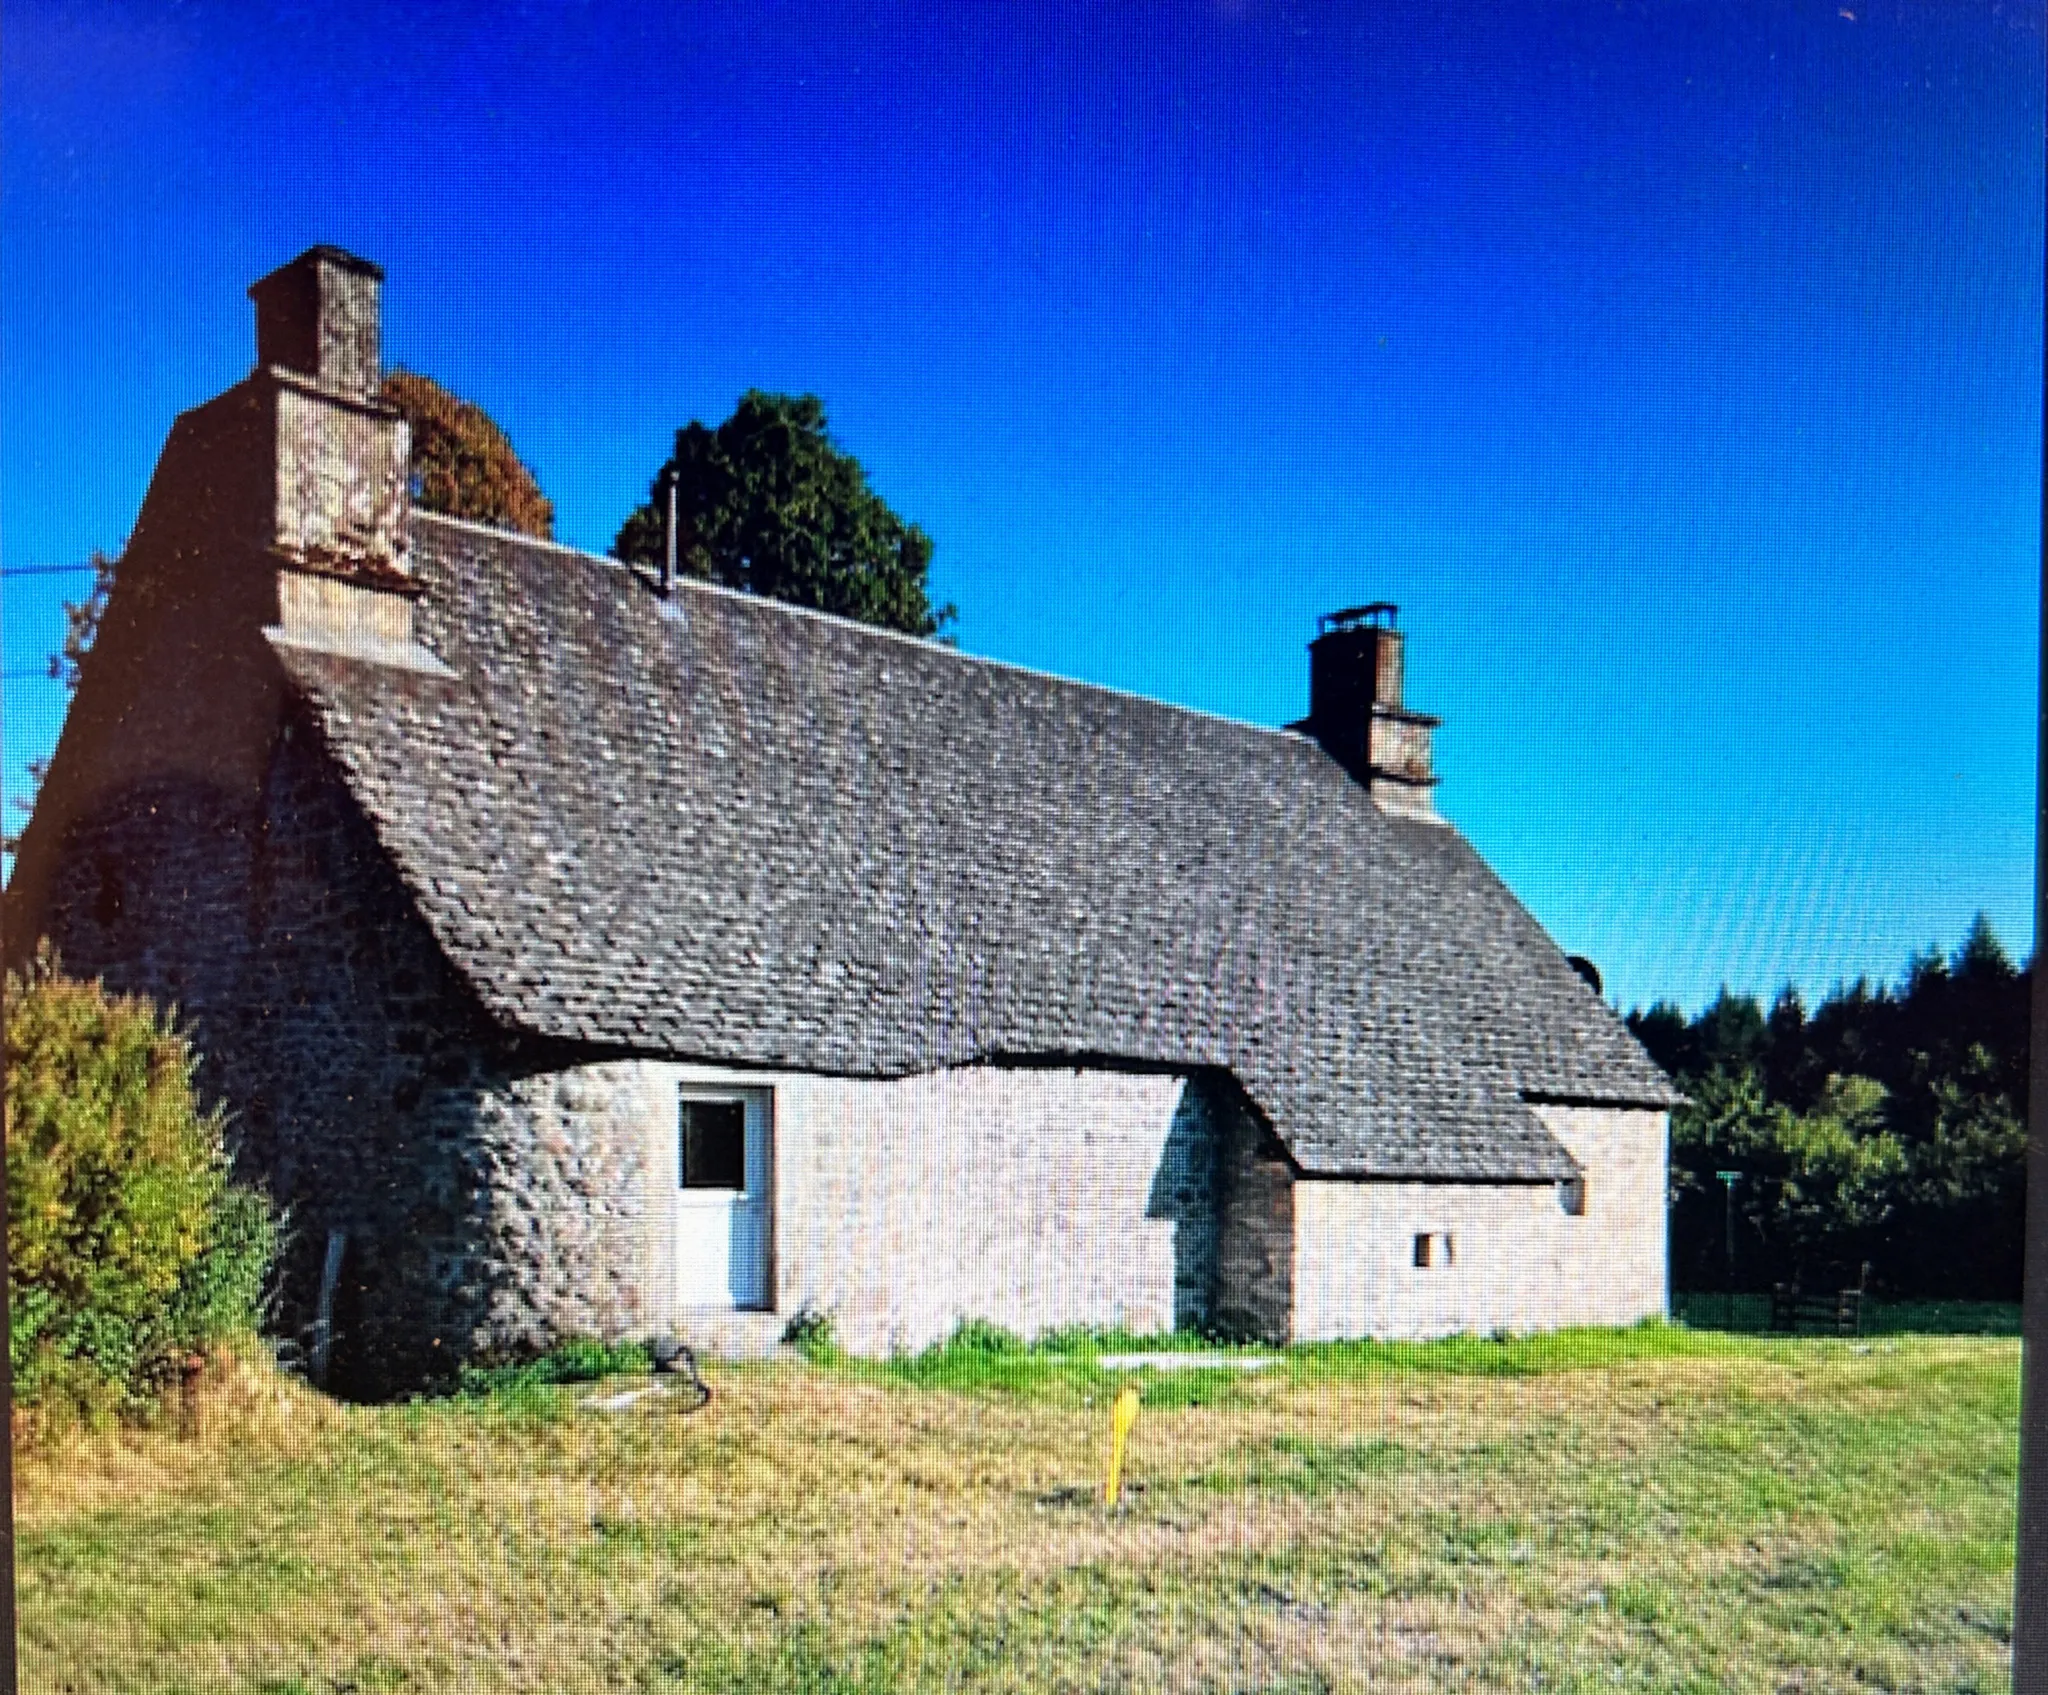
x: 1122, y: 1415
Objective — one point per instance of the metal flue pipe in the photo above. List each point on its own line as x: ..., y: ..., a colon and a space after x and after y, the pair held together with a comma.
x: 668, y: 558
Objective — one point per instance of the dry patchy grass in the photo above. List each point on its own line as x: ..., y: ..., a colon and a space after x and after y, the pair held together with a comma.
x: 1691, y: 1514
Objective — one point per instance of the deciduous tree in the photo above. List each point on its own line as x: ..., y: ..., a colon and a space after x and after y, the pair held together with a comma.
x: 767, y: 503
x: 463, y: 463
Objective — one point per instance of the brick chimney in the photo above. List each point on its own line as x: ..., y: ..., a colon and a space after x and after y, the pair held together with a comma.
x: 1355, y: 710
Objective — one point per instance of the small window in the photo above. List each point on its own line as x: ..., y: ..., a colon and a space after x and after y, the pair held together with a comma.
x: 714, y: 1145
x: 1432, y: 1249
x: 1571, y: 1195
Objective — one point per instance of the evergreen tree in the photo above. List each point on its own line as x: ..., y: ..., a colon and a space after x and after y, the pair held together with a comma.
x: 1888, y: 1126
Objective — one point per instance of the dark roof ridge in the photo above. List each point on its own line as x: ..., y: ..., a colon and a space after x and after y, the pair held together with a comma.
x: 922, y: 643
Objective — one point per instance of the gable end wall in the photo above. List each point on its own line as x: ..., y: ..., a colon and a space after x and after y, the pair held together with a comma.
x: 351, y: 1061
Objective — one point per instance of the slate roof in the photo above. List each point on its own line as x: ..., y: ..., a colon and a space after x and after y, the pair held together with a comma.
x: 716, y: 828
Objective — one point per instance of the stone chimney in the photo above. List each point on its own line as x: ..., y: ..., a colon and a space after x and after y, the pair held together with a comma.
x: 277, y: 518
x: 1355, y: 710
x: 319, y: 317
x: 341, y: 470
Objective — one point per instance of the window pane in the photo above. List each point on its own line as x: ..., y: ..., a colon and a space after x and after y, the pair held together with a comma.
x: 714, y: 1153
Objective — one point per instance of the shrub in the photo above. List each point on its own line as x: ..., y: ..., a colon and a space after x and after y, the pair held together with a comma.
x: 129, y: 1248
x: 814, y: 1335
x: 581, y: 1359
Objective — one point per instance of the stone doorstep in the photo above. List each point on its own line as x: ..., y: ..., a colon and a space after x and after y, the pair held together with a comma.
x: 726, y: 1333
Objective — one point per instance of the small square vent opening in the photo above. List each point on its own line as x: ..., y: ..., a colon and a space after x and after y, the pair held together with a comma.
x: 1433, y: 1250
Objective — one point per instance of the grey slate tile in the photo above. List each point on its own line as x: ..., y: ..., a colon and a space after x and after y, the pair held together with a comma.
x: 723, y: 828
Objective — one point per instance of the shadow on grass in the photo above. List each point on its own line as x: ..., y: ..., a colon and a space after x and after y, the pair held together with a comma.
x: 1750, y: 1315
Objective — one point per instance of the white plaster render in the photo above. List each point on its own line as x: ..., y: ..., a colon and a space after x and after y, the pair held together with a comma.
x: 1520, y: 1262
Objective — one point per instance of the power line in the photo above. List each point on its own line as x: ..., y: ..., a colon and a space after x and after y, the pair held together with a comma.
x: 45, y: 570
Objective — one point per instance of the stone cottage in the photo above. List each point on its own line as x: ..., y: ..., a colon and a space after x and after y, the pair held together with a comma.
x: 579, y: 953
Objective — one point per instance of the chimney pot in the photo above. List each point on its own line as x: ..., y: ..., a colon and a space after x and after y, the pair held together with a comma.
x: 319, y: 316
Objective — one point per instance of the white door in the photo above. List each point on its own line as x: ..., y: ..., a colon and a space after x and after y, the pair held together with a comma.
x: 721, y: 1198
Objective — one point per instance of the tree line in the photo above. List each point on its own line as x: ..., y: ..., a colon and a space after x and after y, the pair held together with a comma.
x: 1887, y: 1126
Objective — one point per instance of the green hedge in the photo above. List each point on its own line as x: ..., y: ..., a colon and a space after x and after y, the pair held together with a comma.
x: 129, y: 1249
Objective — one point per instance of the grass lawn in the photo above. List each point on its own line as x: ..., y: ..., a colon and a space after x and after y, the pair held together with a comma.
x: 1652, y: 1510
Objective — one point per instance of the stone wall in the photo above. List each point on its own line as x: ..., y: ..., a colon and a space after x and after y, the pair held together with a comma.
x: 1031, y: 1197
x: 495, y: 1199
x: 325, y: 1021
x: 562, y: 1238
x: 1517, y: 1260
x: 1034, y: 1198
x: 1624, y: 1268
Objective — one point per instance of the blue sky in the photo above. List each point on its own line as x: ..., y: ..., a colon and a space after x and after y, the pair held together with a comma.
x: 1676, y: 367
